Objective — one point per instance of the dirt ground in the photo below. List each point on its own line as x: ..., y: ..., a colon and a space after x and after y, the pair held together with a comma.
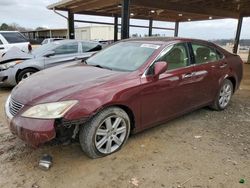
x: 203, y: 149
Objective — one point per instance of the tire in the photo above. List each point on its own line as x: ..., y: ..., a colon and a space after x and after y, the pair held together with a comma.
x: 224, y: 96
x: 25, y: 73
x: 105, y: 133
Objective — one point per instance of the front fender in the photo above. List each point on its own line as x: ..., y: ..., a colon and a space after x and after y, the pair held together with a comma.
x: 92, y: 102
x: 31, y: 63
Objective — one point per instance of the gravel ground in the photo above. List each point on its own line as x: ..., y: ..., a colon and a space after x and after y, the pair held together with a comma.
x: 203, y: 149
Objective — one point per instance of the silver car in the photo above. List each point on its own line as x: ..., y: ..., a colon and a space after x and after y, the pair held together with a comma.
x: 12, y: 71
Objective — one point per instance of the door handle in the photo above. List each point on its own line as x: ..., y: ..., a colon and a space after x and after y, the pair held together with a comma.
x: 1, y: 48
x: 223, y: 65
x: 188, y: 75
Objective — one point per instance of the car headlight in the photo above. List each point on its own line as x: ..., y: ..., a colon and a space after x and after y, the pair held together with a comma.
x: 10, y: 64
x: 49, y: 110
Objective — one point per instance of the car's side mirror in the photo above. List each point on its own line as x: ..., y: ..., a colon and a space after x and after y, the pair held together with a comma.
x: 159, y: 68
x: 49, y: 53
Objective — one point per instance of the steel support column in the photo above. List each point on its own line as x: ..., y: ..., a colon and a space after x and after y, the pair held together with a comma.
x: 237, y: 37
x: 125, y: 19
x: 150, y: 28
x: 116, y: 28
x: 71, y: 25
x: 248, y: 59
x: 176, y: 29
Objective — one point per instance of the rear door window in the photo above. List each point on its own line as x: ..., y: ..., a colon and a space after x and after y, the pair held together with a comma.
x: 14, y: 37
x: 71, y: 48
x: 204, y: 54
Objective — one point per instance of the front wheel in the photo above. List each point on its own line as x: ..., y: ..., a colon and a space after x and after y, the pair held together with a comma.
x: 25, y: 74
x: 224, y: 96
x: 105, y: 133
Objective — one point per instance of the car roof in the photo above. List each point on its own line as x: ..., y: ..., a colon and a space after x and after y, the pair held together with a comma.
x: 9, y: 31
x: 73, y: 40
x: 165, y: 40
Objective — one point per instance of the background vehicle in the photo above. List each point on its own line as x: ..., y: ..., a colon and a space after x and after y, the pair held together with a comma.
x: 47, y: 41
x: 10, y: 39
x: 46, y: 56
x: 128, y: 87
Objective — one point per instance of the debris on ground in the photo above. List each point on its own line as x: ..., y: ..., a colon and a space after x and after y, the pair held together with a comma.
x: 34, y: 185
x: 180, y: 186
x: 242, y: 181
x: 45, y: 162
x: 234, y: 162
x: 134, y: 181
x: 197, y: 137
x: 211, y: 177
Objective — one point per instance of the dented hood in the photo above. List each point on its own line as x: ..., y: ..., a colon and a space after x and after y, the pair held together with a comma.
x: 13, y: 54
x: 53, y: 84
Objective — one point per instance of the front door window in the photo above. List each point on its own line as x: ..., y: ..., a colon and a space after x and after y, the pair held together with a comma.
x: 176, y: 56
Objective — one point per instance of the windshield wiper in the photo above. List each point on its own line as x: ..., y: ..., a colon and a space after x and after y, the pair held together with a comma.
x: 102, y: 67
x: 96, y: 65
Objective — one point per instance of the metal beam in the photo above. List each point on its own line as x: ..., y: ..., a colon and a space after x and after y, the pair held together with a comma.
x: 179, y: 7
x: 116, y: 28
x: 176, y: 29
x: 131, y: 25
x: 237, y: 37
x: 125, y: 19
x: 90, y: 5
x: 71, y: 25
x: 150, y: 28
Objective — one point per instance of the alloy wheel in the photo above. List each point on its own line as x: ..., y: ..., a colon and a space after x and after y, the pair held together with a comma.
x: 225, y: 95
x: 26, y: 75
x: 110, y: 134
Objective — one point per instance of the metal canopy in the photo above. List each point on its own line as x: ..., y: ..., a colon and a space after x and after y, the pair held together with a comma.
x: 162, y: 10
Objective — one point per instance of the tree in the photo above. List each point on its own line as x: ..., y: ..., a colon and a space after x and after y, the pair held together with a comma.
x: 4, y: 27
x: 13, y: 27
x: 40, y: 28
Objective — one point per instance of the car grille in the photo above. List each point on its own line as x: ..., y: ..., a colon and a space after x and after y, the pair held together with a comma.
x: 14, y: 107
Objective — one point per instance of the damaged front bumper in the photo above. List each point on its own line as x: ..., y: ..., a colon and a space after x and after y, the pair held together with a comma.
x: 32, y: 131
x: 38, y: 131
x: 8, y: 77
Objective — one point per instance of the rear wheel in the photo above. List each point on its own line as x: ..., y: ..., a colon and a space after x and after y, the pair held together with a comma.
x: 224, y: 96
x: 105, y: 133
x: 25, y: 74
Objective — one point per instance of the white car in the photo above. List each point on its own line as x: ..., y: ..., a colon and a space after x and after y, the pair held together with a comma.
x: 9, y: 39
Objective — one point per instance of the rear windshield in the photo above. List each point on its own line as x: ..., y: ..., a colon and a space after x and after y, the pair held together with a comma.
x: 14, y: 37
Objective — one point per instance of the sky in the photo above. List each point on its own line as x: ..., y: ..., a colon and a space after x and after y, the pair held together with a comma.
x: 33, y: 14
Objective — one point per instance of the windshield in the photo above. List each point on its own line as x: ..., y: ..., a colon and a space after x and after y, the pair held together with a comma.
x: 124, y: 56
x: 44, y: 48
x: 14, y: 37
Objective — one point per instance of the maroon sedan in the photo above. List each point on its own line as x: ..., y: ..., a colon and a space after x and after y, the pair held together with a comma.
x: 126, y: 88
